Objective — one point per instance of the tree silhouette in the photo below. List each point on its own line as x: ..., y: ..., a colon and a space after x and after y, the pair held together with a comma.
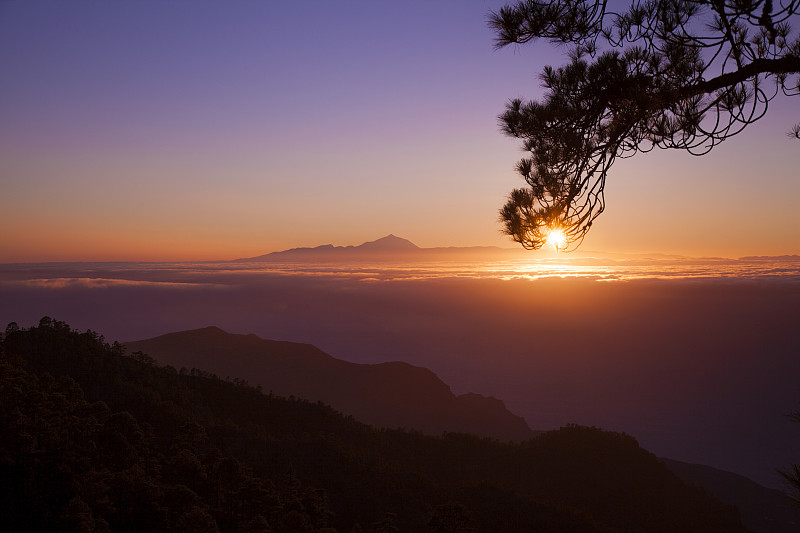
x: 451, y: 517
x: 792, y: 475
x: 683, y: 74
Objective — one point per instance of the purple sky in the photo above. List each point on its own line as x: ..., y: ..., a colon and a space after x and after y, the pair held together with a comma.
x: 177, y: 130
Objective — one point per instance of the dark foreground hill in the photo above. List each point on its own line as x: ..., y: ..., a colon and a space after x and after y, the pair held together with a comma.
x: 391, y: 395
x: 762, y: 509
x: 94, y: 440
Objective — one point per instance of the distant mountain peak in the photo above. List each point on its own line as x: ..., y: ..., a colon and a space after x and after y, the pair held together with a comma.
x: 390, y: 247
x: 390, y: 242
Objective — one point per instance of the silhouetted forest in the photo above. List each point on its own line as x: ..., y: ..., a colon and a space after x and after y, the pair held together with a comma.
x: 376, y: 394
x: 93, y: 439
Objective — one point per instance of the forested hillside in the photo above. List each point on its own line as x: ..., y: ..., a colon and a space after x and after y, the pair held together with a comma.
x: 92, y: 439
x: 389, y: 394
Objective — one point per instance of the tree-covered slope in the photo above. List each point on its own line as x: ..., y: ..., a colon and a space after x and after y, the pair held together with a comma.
x: 94, y: 440
x: 391, y: 394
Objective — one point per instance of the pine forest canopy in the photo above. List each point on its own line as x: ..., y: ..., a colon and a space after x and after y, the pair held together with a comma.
x: 683, y: 74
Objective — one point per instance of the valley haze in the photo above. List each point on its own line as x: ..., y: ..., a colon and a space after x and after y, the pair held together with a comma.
x: 695, y: 357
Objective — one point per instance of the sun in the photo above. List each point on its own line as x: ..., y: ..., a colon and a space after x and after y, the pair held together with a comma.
x: 556, y: 239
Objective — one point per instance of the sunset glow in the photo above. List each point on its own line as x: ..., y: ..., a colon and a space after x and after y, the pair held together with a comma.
x: 207, y: 144
x: 557, y: 239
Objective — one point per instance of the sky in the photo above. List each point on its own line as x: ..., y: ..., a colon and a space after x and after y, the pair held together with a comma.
x: 178, y: 130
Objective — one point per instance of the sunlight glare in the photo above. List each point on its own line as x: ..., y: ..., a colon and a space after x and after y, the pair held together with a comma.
x: 556, y: 239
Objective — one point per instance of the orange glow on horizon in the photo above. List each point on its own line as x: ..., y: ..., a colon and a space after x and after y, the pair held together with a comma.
x: 105, y: 244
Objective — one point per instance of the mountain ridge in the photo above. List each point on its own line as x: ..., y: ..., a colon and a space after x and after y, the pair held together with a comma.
x: 388, y: 247
x: 191, y: 451
x: 377, y: 394
x: 762, y: 509
x: 392, y: 247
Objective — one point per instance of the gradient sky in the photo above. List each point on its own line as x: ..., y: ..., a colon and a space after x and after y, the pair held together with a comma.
x: 156, y: 130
